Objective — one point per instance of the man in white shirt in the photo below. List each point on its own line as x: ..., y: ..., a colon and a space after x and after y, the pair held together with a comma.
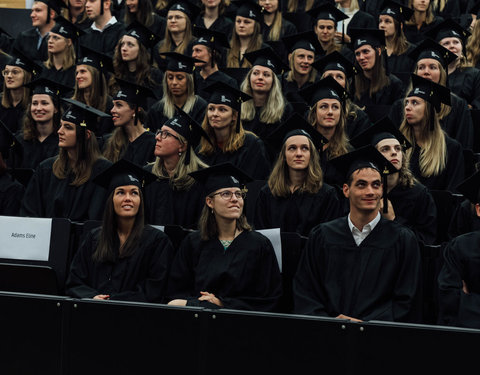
x: 363, y: 266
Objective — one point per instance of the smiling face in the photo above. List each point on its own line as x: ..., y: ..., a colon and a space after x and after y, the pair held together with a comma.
x: 42, y: 108
x: 219, y: 116
x: 132, y: 5
x: 13, y: 77
x: 392, y: 151
x: 228, y: 209
x: 302, y: 61
x: 414, y: 110
x: 126, y: 201
x: 366, y: 56
x: 328, y: 113
x: 269, y: 5
x: 365, y: 191
x: 129, y: 48
x: 121, y: 112
x: 83, y: 77
x: 67, y: 135
x: 297, y: 152
x: 244, y: 26
x: 261, y: 79
x: 39, y: 14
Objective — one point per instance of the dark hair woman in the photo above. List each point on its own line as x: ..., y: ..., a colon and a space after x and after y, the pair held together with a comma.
x: 124, y: 259
x: 422, y: 21
x: 225, y: 247
x: 142, y: 11
x: 62, y: 186
x: 212, y: 16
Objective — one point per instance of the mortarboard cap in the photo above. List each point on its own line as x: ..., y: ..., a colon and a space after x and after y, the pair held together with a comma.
x: 430, y: 91
x: 66, y: 29
x: 397, y: 11
x: 382, y: 129
x: 96, y: 59
x: 22, y: 61
x: 429, y: 49
x: 475, y: 8
x: 307, y: 40
x: 124, y: 173
x: 250, y: 9
x: 56, y: 5
x: 448, y: 29
x: 46, y: 86
x: 143, y: 34
x: 8, y: 142
x: 176, y: 62
x: 268, y: 58
x: 372, y: 37
x: 335, y: 61
x: 470, y: 188
x: 188, y: 7
x: 210, y: 38
x: 296, y: 125
x: 326, y: 88
x: 221, y: 176
x: 327, y: 11
x: 82, y: 115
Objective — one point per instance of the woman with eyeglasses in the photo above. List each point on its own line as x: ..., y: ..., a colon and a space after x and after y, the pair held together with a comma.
x: 225, y: 264
x: 130, y: 140
x: 175, y: 198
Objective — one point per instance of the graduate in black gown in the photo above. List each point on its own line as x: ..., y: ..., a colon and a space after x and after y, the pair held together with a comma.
x: 178, y: 90
x: 343, y: 71
x: 422, y: 21
x: 436, y: 160
x: 62, y: 186
x: 363, y: 266
x: 124, y: 259
x: 296, y: 199
x: 209, y: 47
x: 11, y: 191
x: 213, y: 17
x: 130, y: 140
x: 431, y: 62
x: 459, y: 289
x: 358, y: 19
x: 142, y: 11
x: 175, y: 198
x: 409, y: 202
x: 229, y: 141
x: 225, y: 263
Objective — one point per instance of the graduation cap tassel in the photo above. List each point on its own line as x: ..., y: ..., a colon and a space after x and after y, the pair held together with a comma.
x: 343, y: 31
x: 385, y: 198
x: 239, y: 118
x: 187, y: 156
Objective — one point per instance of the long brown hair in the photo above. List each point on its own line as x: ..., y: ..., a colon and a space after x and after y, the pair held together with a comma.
x: 98, y: 90
x: 106, y: 249
x: 233, y: 56
x: 430, y: 17
x: 167, y: 43
x: 293, y: 5
x: 7, y: 99
x: 379, y: 76
x: 144, y: 14
x: 30, y: 130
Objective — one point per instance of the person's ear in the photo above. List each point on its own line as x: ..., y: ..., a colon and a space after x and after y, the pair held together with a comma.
x: 209, y: 202
x: 477, y: 209
x: 346, y: 190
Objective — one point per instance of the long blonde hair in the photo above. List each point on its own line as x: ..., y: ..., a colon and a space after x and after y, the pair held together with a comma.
x: 293, y: 5
x: 233, y: 56
x: 291, y: 74
x: 353, y: 5
x: 68, y: 57
x: 273, y: 109
x: 7, y: 99
x: 167, y: 43
x: 276, y: 30
x: 473, y: 45
x: 279, y: 180
x: 167, y: 102
x: 433, y: 154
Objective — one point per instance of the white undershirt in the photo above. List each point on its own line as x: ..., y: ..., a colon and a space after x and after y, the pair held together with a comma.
x: 358, y: 235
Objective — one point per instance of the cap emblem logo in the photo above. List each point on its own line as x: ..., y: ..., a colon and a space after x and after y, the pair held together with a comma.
x: 234, y: 180
x: 224, y: 99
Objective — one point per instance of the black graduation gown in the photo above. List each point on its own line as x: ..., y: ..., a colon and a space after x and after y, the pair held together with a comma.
x: 373, y: 7
x: 377, y: 280
x: 457, y: 124
x: 461, y: 265
x: 466, y: 84
x: 416, y: 36
x: 361, y: 20
x: 34, y: 152
x: 451, y: 10
x: 159, y: 25
x: 218, y: 76
x: 251, y: 157
x: 141, y: 150
x: 451, y: 176
x: 301, y: 5
x: 11, y: 194
x: 222, y: 24
x: 357, y: 123
x: 464, y: 220
x: 288, y: 29
x: 65, y: 77
x: 156, y: 118
x: 155, y: 84
x: 290, y: 90
x: 166, y: 205
x: 245, y: 276
x: 415, y: 208
x: 104, y: 41
x: 47, y: 196
x: 299, y: 212
x: 12, y: 117
x: 401, y: 65
x: 27, y: 42
x: 141, y: 277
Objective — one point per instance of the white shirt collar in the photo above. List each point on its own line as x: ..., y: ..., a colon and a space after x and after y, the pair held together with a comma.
x: 110, y: 22
x: 360, y: 235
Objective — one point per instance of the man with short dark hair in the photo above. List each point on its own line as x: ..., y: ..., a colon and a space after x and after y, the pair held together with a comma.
x: 363, y: 266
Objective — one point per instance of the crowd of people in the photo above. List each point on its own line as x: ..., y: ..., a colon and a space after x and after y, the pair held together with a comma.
x: 352, y: 114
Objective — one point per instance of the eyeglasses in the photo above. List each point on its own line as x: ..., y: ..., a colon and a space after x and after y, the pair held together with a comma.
x: 227, y: 194
x: 13, y: 72
x: 165, y: 134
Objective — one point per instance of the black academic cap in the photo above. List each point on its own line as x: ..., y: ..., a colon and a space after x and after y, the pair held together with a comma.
x: 143, y: 34
x: 429, y: 49
x: 124, y: 173
x: 327, y: 11
x: 221, y: 93
x: 220, y: 176
x: 296, y: 125
x: 326, y: 88
x: 66, y: 29
x: 96, y: 59
x: 22, y: 61
x: 268, y: 58
x: 372, y: 37
x: 82, y: 115
x: 9, y: 141
x: 56, y: 5
x: 448, y: 29
x: 210, y: 38
x: 335, y: 61
x: 3, y: 31
x: 430, y: 91
x: 382, y: 129
x: 250, y: 9
x: 176, y: 62
x: 475, y: 8
x: 190, y: 9
x: 46, y: 86
x: 396, y: 10
x: 470, y: 188
x: 307, y: 40
x: 188, y: 128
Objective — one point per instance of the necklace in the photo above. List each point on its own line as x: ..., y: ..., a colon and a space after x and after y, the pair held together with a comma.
x: 226, y: 243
